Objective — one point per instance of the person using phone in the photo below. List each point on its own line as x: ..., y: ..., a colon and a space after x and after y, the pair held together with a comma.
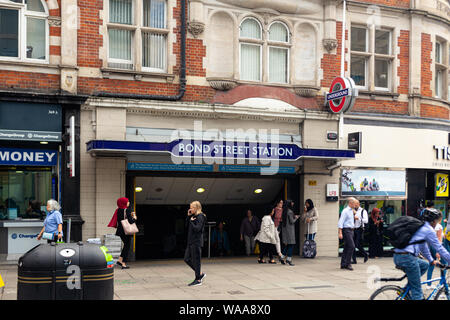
x: 123, y: 212
x: 195, y: 221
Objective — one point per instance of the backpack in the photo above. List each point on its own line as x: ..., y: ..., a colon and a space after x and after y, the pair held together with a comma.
x: 402, y: 230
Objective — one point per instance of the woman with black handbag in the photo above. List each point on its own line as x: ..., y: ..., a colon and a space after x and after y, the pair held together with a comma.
x: 123, y: 212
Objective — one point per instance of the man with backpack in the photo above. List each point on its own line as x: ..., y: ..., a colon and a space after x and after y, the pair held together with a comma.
x: 411, y: 237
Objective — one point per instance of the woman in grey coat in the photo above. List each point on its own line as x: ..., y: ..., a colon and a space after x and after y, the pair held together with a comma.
x: 288, y: 231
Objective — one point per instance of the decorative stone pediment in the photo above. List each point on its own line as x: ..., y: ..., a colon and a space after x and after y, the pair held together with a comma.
x: 222, y: 84
x: 282, y: 6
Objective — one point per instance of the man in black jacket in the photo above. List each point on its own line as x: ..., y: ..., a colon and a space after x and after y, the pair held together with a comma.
x: 195, y: 220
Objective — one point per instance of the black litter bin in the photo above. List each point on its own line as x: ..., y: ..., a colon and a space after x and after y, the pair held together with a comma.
x: 72, y: 271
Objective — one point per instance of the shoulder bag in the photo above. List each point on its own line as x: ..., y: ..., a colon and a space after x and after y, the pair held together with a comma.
x: 129, y: 228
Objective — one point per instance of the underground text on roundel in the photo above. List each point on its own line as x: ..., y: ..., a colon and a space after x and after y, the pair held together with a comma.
x: 231, y: 309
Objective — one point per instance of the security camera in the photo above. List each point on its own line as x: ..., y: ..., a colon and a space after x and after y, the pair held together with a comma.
x: 334, y: 166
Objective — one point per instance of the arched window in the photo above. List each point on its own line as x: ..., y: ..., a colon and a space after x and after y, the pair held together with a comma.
x: 24, y: 30
x: 278, y: 53
x: 250, y: 50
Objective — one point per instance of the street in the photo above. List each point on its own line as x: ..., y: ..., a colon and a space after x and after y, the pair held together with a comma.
x: 239, y: 279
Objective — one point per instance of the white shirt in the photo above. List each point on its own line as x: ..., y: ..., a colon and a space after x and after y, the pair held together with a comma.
x: 439, y: 227
x: 365, y: 217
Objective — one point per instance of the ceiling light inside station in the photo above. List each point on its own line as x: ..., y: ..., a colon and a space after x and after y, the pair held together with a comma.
x: 138, y: 189
x: 200, y: 190
x: 257, y: 191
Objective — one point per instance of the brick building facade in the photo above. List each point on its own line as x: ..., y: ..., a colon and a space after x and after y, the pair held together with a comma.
x: 121, y: 65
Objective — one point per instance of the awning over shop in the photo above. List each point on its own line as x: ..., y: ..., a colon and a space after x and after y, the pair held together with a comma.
x: 262, y: 151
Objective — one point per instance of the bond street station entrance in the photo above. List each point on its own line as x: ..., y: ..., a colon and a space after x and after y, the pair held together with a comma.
x: 162, y: 200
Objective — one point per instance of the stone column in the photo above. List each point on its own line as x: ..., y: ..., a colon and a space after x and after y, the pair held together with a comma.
x: 69, y: 42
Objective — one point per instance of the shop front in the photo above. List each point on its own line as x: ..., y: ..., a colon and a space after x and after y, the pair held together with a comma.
x: 400, y: 165
x: 32, y: 167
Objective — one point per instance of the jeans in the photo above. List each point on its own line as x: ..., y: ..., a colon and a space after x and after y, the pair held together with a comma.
x: 310, y: 236
x: 288, y: 250
x: 431, y: 267
x: 414, y: 269
x: 249, y: 244
x: 192, y: 258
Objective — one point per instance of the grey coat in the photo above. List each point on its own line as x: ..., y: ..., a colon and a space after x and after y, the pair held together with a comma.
x: 288, y: 231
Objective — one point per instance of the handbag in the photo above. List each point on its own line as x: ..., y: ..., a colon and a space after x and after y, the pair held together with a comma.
x: 48, y: 236
x: 129, y: 228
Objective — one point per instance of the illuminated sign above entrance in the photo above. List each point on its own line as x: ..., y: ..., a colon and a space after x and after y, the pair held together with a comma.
x: 220, y: 150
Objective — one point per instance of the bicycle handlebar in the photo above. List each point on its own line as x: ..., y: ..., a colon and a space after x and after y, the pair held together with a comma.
x: 443, y: 266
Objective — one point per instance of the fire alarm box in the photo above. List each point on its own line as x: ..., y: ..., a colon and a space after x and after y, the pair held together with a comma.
x: 332, y: 192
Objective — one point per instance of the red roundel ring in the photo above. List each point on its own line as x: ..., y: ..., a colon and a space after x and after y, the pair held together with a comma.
x: 338, y: 108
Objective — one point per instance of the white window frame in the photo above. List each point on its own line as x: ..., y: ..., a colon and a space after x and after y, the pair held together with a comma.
x: 371, y: 57
x: 442, y: 70
x: 23, y: 14
x: 253, y: 42
x: 279, y: 45
x: 164, y: 31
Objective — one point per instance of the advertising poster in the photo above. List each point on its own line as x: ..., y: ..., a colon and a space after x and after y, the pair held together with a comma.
x: 373, y: 183
x: 441, y: 185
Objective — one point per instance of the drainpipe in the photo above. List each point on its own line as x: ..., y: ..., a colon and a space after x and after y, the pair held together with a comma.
x: 181, y: 90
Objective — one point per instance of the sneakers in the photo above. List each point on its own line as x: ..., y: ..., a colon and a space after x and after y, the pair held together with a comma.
x: 202, y: 277
x: 195, y: 283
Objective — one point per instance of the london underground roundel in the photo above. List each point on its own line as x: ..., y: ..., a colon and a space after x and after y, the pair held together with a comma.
x: 342, y: 95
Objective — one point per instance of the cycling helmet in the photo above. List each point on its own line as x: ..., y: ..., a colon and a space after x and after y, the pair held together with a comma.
x: 431, y: 214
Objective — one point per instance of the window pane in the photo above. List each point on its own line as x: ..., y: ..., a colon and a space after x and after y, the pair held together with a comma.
x: 120, y: 44
x: 358, y: 71
x: 36, y: 38
x: 438, y: 83
x: 359, y: 39
x: 278, y: 32
x: 35, y: 5
x: 155, y: 14
x: 9, y: 33
x: 382, y: 42
x: 250, y: 29
x: 381, y: 73
x: 120, y: 11
x: 250, y: 62
x: 23, y: 194
x: 278, y: 62
x: 438, y: 53
x: 154, y: 51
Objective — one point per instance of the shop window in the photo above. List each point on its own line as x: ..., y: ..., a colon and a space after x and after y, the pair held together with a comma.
x: 24, y: 30
x: 24, y: 193
x: 126, y: 28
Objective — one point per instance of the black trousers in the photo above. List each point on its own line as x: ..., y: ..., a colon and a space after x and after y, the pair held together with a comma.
x: 357, y: 237
x: 266, y: 248
x: 349, y: 247
x: 126, y: 247
x: 192, y: 258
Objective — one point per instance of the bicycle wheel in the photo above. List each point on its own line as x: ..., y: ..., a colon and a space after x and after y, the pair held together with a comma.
x: 442, y: 295
x: 389, y: 293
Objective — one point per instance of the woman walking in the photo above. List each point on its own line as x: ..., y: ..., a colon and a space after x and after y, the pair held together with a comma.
x: 267, y: 238
x: 195, y: 221
x: 310, y: 217
x: 375, y: 234
x: 123, y: 212
x: 288, y: 231
x: 53, y: 223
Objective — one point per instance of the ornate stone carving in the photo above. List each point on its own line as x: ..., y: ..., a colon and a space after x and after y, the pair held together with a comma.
x: 222, y: 84
x: 196, y: 28
x: 54, y: 21
x: 306, y: 91
x: 330, y: 44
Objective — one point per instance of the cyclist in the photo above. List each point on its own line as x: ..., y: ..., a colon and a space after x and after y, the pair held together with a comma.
x: 407, y: 258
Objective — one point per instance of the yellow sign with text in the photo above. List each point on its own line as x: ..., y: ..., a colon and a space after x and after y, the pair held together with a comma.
x: 2, y: 284
x: 442, y: 185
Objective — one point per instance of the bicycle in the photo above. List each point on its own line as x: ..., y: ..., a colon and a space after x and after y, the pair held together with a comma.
x: 392, y: 292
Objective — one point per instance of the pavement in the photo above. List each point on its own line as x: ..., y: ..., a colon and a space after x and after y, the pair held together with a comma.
x: 240, y: 278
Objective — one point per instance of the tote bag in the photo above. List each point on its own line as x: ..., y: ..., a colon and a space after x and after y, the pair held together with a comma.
x: 128, y: 228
